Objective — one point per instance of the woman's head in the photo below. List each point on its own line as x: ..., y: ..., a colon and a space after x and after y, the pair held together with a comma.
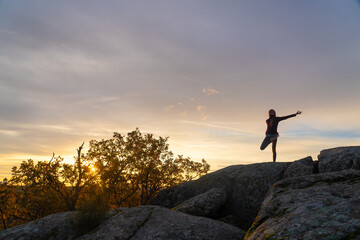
x: 272, y: 113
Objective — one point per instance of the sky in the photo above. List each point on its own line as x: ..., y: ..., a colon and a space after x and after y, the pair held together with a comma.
x: 202, y: 72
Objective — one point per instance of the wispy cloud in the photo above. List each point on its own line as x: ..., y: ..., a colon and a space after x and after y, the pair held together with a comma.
x: 201, y: 109
x: 210, y: 91
x: 244, y: 130
x: 325, y: 133
x: 169, y: 107
x: 191, y: 99
x: 10, y: 133
x: 97, y: 100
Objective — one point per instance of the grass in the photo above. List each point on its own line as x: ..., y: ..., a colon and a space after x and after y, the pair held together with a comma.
x: 90, y: 215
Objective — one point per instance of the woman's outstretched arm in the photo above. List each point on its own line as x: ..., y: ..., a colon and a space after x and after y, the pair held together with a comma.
x: 290, y: 116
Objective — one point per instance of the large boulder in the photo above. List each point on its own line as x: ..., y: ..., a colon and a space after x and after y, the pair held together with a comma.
x: 52, y: 227
x: 245, y: 186
x: 153, y: 222
x: 318, y: 206
x: 302, y: 167
x: 341, y: 158
x: 138, y: 223
x: 206, y: 204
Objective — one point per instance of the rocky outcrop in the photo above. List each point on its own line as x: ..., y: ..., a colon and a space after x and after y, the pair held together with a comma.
x: 302, y: 167
x: 206, y: 204
x: 318, y: 206
x: 341, y: 158
x: 138, y: 223
x: 245, y: 186
x: 304, y: 199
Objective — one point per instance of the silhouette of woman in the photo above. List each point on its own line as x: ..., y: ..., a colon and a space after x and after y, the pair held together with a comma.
x: 271, y: 134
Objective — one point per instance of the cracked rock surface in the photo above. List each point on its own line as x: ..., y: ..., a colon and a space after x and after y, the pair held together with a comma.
x: 143, y: 222
x: 174, y: 225
x: 122, y: 225
x: 318, y: 206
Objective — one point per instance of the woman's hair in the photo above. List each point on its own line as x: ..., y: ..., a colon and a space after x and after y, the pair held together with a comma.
x: 272, y: 110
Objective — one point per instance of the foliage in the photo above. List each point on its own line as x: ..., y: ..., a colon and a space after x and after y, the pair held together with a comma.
x: 124, y: 170
x: 21, y: 204
x: 65, y: 180
x: 136, y: 167
x: 7, y: 203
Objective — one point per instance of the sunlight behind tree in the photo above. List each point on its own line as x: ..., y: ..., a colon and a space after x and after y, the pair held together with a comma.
x: 125, y: 170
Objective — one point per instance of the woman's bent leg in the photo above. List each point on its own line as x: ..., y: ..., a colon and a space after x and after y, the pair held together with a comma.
x: 265, y: 143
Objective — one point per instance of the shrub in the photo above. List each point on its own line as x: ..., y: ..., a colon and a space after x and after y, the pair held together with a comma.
x: 91, y: 214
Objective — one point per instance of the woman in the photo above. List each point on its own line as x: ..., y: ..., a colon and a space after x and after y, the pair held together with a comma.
x: 271, y: 131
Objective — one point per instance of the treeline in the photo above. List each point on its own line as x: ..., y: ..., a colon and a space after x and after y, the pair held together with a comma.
x: 125, y: 170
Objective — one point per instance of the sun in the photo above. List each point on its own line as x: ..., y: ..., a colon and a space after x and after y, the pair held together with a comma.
x: 93, y: 169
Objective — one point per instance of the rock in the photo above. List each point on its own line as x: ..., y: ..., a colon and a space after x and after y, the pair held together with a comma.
x: 138, y: 223
x: 52, y: 227
x: 153, y: 222
x: 317, y: 206
x: 300, y: 167
x: 341, y: 158
x: 245, y: 186
x: 206, y: 204
x: 294, y: 203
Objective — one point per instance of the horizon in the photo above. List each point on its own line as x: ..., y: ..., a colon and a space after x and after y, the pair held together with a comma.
x: 202, y: 73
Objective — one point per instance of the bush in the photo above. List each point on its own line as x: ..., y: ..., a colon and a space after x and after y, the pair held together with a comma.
x: 91, y: 214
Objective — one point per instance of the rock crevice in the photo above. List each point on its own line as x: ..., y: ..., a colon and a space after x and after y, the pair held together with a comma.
x: 141, y: 225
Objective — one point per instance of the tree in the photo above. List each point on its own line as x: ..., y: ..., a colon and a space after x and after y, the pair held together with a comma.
x: 67, y: 181
x: 136, y: 167
x: 129, y: 171
x: 115, y: 167
x: 33, y: 198
x: 7, y: 204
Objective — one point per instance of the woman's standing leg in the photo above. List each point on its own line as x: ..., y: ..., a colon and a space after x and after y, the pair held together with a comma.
x: 274, y: 149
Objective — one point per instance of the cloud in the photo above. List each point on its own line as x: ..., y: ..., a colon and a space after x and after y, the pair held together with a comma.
x: 228, y: 128
x: 201, y: 110
x: 72, y: 71
x: 309, y: 131
x: 210, y: 91
x: 191, y: 99
x: 168, y: 108
x: 10, y: 133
